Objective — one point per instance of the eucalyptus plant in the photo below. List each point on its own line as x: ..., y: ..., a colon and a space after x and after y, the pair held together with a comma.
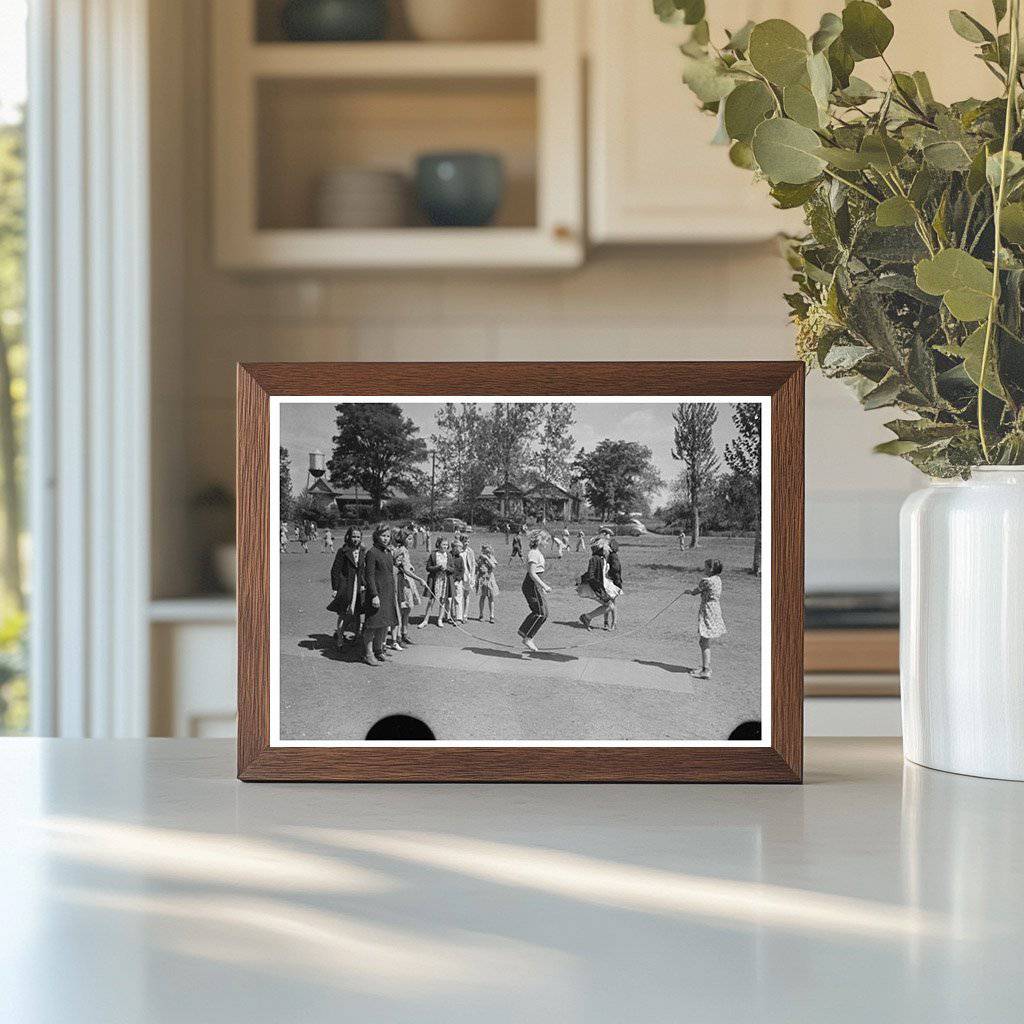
x: 910, y: 277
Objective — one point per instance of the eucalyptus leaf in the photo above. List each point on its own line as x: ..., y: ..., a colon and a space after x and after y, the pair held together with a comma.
x: 788, y: 196
x: 689, y: 12
x: 708, y: 80
x: 999, y: 9
x: 801, y: 106
x: 924, y: 88
x: 969, y: 28
x: 976, y: 174
x: 845, y: 159
x: 829, y: 30
x: 883, y: 152
x: 779, y: 51
x: 857, y: 91
x: 787, y: 152
x: 963, y: 281
x: 993, y: 167
x: 883, y: 395
x: 741, y: 155
x: 1012, y: 223
x: 745, y: 108
x: 894, y: 212
x: 923, y: 431
x: 841, y: 62
x: 895, y: 447
x: 819, y: 75
x: 922, y: 185
x: 739, y: 41
x: 971, y: 351
x: 866, y: 29
x: 947, y: 156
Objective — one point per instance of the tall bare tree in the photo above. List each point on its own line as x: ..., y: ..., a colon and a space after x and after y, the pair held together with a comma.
x: 457, y: 443
x: 556, y: 442
x: 694, y: 447
x: 743, y: 456
x: 285, y: 483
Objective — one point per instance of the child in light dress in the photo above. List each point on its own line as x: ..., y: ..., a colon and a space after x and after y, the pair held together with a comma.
x: 710, y: 624
x: 437, y: 582
x: 486, y: 581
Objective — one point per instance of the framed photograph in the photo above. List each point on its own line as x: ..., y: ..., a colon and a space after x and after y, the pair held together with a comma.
x: 520, y: 572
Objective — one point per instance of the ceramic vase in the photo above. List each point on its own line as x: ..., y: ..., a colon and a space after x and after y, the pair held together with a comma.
x: 962, y: 624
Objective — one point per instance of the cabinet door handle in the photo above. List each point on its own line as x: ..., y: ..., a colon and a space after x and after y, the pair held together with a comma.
x: 562, y: 232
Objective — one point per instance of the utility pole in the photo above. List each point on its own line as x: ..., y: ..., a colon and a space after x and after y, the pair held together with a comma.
x: 433, y: 467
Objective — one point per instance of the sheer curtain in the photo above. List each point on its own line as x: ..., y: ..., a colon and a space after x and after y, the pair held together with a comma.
x: 88, y: 301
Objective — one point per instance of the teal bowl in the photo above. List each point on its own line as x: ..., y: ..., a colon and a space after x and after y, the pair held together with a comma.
x: 334, y: 21
x: 460, y: 190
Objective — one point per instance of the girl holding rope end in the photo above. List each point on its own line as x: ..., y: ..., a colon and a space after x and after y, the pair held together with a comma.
x: 534, y: 589
x: 710, y: 624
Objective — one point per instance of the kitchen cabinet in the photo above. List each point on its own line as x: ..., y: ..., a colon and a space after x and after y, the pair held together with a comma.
x: 653, y: 175
x: 288, y: 114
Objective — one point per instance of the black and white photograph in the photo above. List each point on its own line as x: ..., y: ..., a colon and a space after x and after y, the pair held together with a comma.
x: 522, y: 571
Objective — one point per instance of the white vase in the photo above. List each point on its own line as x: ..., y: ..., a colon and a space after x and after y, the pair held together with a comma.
x: 962, y: 624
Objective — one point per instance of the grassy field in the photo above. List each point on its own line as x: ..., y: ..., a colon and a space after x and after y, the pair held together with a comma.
x: 654, y: 570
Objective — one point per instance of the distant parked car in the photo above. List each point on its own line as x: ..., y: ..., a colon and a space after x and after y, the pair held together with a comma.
x: 452, y: 525
x: 634, y: 528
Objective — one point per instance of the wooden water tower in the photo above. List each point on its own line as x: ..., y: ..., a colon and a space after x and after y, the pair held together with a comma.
x: 317, y: 468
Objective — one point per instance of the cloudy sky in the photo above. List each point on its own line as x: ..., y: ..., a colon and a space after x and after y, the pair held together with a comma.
x: 306, y: 427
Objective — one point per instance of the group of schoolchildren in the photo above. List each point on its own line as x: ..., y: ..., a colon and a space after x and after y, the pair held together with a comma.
x: 376, y: 589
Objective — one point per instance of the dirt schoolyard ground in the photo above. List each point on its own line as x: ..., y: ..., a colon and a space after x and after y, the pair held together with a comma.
x: 631, y: 684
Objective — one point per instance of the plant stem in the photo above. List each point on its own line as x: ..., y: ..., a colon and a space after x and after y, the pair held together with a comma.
x: 853, y: 185
x: 1011, y: 108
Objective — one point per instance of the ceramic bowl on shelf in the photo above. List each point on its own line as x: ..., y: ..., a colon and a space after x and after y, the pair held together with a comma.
x: 362, y: 197
x: 460, y: 189
x: 334, y: 21
x: 470, y: 20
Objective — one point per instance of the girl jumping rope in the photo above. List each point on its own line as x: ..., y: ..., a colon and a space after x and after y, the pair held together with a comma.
x: 534, y: 589
x: 710, y: 624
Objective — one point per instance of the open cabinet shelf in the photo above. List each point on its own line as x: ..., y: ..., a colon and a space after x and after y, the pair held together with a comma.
x: 287, y: 114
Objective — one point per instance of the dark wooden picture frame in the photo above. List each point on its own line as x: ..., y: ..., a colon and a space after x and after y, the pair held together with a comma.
x: 779, y: 761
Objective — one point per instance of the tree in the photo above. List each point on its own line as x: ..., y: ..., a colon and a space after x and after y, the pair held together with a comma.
x: 507, y: 438
x: 12, y: 350
x: 556, y: 442
x: 285, y: 484
x: 694, y: 447
x: 743, y: 456
x: 617, y: 476
x: 309, y: 509
x: 376, y: 448
x: 457, y: 443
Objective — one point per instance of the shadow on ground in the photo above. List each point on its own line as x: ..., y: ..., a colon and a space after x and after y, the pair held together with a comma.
x: 675, y: 669
x: 326, y: 645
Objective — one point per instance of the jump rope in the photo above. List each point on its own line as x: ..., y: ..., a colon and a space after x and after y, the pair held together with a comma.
x: 552, y: 650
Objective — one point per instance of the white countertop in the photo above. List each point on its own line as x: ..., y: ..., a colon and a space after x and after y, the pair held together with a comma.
x: 140, y: 882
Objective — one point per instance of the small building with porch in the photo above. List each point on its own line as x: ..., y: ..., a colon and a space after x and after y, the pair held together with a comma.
x: 552, y: 501
x: 508, y: 500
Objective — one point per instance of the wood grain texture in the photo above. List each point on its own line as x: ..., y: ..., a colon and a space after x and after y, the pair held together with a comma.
x: 781, y: 762
x: 852, y: 650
